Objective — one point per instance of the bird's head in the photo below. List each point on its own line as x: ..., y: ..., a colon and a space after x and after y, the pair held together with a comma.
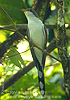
x: 29, y: 13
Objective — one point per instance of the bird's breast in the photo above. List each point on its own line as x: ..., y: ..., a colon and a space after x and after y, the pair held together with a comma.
x: 36, y: 32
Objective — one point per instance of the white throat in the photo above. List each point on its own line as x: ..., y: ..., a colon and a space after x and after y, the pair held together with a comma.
x: 31, y: 16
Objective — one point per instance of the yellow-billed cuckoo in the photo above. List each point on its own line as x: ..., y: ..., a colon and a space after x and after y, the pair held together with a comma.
x: 38, y: 35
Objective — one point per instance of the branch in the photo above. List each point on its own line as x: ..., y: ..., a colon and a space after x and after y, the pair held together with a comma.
x: 15, y: 77
x: 69, y: 76
x: 61, y: 45
x: 25, y: 26
x: 27, y: 68
x: 18, y: 26
x: 7, y: 44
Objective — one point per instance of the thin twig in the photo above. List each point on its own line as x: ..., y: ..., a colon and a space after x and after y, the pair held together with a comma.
x: 52, y: 64
x: 18, y: 53
x: 13, y: 55
x: 7, y: 29
x: 8, y: 17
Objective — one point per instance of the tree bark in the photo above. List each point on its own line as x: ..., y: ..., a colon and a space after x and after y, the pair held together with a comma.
x: 61, y: 45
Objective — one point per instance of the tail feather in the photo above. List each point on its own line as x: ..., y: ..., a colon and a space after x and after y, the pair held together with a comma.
x: 40, y: 71
x: 41, y: 80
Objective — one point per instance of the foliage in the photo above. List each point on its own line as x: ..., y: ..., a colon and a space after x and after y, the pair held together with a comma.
x: 27, y: 86
x: 13, y: 9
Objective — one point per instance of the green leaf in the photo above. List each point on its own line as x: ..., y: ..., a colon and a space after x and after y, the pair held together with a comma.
x: 15, y: 57
x: 55, y: 78
x: 12, y: 7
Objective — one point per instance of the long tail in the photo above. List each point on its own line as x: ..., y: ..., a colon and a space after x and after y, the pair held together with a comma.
x: 41, y: 80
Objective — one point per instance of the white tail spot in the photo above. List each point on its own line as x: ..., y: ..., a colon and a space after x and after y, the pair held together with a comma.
x: 42, y: 92
x: 41, y: 85
x: 40, y: 74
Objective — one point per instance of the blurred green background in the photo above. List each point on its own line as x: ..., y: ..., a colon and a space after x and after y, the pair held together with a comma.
x: 27, y: 86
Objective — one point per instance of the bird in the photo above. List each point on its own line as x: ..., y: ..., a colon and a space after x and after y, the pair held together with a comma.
x: 38, y: 36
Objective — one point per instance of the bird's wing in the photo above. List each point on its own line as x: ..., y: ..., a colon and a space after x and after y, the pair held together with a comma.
x: 32, y: 50
x: 40, y: 71
x: 45, y: 35
x: 45, y: 39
